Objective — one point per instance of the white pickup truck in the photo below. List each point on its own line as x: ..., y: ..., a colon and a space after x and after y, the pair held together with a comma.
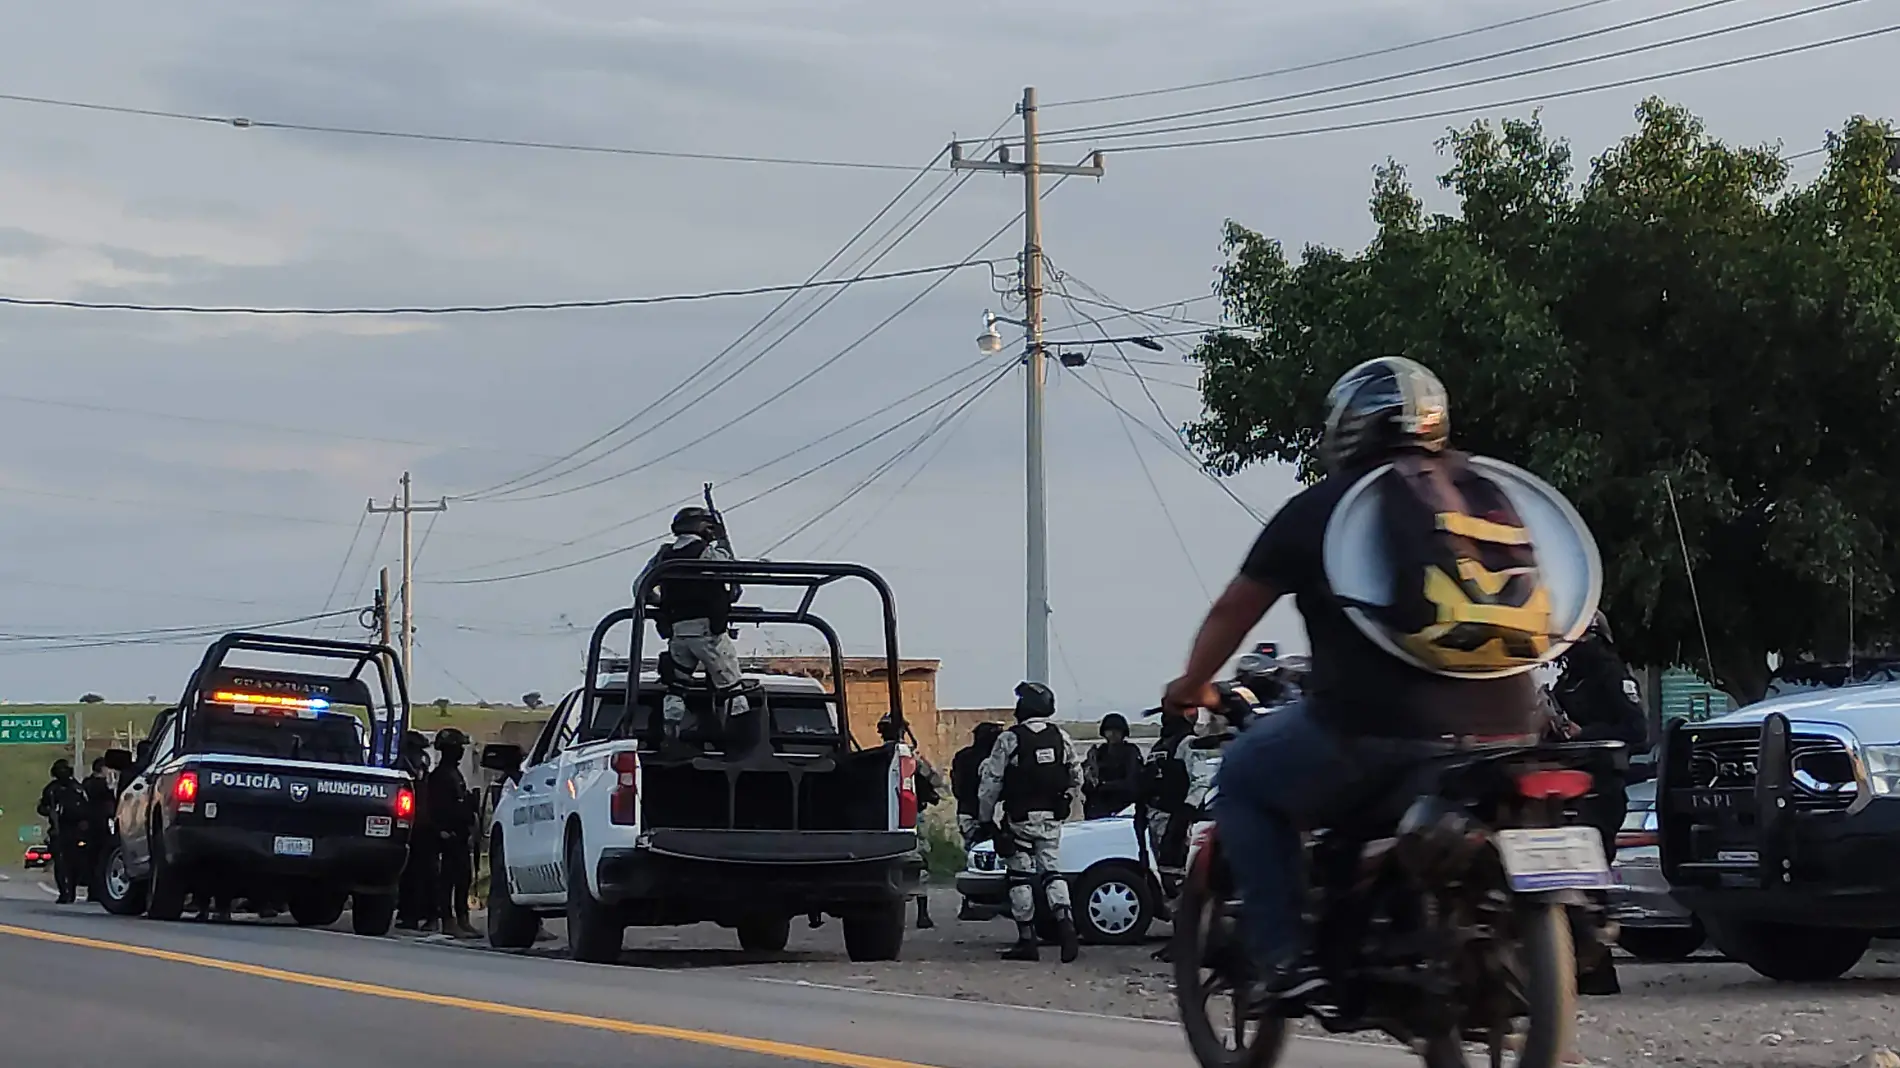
x: 594, y: 824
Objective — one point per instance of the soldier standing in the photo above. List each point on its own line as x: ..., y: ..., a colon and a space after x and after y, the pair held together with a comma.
x: 1032, y: 775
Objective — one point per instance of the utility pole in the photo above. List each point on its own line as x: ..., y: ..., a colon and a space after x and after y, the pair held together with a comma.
x: 1035, y: 376
x: 407, y: 507
x: 382, y: 608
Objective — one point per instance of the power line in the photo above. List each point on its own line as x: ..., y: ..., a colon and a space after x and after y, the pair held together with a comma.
x: 369, y: 565
x: 1149, y: 129
x: 243, y: 123
x: 512, y: 494
x: 361, y: 521
x: 813, y: 373
x: 1534, y: 98
x: 150, y: 635
x: 740, y: 340
x: 886, y: 466
x: 814, y: 443
x: 1162, y: 502
x: 494, y: 309
x: 808, y: 472
x: 1336, y: 61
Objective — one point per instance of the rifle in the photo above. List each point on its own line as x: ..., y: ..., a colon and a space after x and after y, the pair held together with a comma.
x: 724, y: 538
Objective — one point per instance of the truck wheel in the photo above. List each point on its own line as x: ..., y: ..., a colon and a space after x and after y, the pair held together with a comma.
x: 1113, y: 904
x: 1662, y: 944
x: 114, y: 888
x: 317, y: 908
x: 765, y: 934
x: 875, y: 933
x: 371, y: 914
x: 1790, y: 954
x: 509, y: 925
x: 594, y: 930
x: 165, y: 894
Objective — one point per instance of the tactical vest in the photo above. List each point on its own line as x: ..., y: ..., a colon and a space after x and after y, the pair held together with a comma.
x: 1037, y: 779
x: 684, y: 598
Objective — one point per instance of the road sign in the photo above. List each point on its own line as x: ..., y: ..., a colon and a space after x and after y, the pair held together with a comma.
x: 30, y: 833
x: 39, y: 728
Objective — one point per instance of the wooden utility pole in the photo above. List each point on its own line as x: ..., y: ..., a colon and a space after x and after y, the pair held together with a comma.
x: 407, y: 508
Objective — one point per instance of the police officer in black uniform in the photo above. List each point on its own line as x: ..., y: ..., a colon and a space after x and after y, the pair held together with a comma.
x: 416, y: 895
x: 1600, y: 702
x: 965, y: 778
x: 68, y: 813
x: 694, y: 615
x: 1111, y: 773
x: 452, y: 811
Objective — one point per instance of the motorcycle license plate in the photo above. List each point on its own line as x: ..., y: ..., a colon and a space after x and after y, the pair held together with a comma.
x: 293, y: 847
x: 1554, y: 858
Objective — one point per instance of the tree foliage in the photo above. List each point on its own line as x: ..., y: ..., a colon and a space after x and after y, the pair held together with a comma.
x: 1683, y: 317
x: 531, y: 699
x: 91, y: 699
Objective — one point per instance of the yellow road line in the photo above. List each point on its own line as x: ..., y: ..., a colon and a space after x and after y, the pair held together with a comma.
x: 766, y: 1047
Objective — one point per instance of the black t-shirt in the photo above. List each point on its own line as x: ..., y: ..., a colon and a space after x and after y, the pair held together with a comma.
x: 1355, y: 684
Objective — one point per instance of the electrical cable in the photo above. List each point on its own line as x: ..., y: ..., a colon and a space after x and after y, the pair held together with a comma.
x: 814, y: 443
x: 1533, y: 98
x: 1415, y: 72
x: 736, y: 342
x: 771, y: 398
x: 1093, y: 136
x: 520, y: 485
x: 883, y: 468
x: 495, y: 309
x: 621, y: 550
x: 243, y: 123
x: 362, y: 520
x: 369, y: 565
x: 1336, y: 61
x: 150, y: 635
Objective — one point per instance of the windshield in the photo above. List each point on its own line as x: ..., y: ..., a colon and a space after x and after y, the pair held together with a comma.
x: 334, y: 737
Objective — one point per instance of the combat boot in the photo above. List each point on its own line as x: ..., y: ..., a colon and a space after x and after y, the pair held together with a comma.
x: 1026, y: 947
x: 1066, y: 937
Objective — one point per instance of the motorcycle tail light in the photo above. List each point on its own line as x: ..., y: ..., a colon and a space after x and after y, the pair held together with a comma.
x: 1562, y: 784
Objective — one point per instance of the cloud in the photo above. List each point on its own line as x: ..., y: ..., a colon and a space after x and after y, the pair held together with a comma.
x: 208, y: 500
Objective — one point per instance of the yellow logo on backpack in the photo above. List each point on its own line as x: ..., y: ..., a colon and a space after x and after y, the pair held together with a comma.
x: 1469, y: 596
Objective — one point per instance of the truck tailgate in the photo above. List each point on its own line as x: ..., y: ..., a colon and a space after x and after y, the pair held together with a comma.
x: 293, y: 798
x: 782, y: 847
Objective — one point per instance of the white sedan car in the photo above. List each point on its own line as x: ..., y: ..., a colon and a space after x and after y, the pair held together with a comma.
x: 1116, y: 898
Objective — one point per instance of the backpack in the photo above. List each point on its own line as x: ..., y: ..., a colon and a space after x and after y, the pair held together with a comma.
x: 1469, y: 598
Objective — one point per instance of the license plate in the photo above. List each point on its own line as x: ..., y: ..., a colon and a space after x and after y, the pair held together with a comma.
x: 1737, y: 856
x: 1554, y: 858
x: 293, y: 847
x: 377, y: 826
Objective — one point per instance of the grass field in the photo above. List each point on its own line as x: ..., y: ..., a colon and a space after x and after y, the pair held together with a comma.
x: 24, y: 768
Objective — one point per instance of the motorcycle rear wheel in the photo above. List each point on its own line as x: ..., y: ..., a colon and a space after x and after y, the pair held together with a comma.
x: 1547, y: 967
x: 1209, y: 963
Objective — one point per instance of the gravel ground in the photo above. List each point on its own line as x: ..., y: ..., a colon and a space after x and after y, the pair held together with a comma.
x: 1705, y: 1013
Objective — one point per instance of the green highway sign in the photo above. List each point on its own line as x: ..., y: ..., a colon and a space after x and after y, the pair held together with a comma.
x: 30, y: 833
x: 39, y: 728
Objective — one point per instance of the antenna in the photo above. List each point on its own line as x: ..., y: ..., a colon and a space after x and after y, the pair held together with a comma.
x: 1688, y: 569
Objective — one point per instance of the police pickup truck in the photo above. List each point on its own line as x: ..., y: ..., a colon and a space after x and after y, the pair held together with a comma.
x: 1778, y: 825
x: 272, y: 785
x: 771, y: 815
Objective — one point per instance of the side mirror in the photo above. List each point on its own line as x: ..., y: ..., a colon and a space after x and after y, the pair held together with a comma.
x: 143, y: 753
x: 120, y: 760
x: 504, y: 757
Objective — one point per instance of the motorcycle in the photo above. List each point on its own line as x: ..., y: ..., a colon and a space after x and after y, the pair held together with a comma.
x: 1440, y: 918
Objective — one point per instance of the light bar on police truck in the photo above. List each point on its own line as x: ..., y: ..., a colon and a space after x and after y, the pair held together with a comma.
x: 270, y: 700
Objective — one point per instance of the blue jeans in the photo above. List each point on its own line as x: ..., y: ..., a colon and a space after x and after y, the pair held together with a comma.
x: 1286, y: 774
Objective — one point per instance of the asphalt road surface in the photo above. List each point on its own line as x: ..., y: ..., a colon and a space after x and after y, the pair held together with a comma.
x: 80, y: 989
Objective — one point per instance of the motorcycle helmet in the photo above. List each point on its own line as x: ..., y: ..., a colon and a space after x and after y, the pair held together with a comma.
x: 1380, y: 407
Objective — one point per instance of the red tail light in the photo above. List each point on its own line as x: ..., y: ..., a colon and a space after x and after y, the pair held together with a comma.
x: 185, y: 788
x: 621, y: 803
x: 1636, y: 839
x: 1564, y: 784
x: 906, y: 790
x: 405, y: 803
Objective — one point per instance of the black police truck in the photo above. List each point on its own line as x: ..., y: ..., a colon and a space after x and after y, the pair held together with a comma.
x: 273, y: 783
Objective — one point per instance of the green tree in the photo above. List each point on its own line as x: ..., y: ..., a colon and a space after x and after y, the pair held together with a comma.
x: 91, y: 699
x: 442, y: 706
x: 1682, y: 318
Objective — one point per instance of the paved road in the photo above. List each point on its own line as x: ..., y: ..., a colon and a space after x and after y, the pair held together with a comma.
x: 77, y: 986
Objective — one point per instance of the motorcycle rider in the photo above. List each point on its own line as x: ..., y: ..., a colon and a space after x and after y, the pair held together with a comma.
x: 1600, y: 702
x: 1366, y: 715
x: 1032, y: 775
x: 692, y: 614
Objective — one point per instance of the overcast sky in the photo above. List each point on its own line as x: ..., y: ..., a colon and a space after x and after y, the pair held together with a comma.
x: 164, y: 470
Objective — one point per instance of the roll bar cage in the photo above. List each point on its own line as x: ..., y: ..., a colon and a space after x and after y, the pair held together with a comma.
x: 387, y: 723
x: 810, y: 577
